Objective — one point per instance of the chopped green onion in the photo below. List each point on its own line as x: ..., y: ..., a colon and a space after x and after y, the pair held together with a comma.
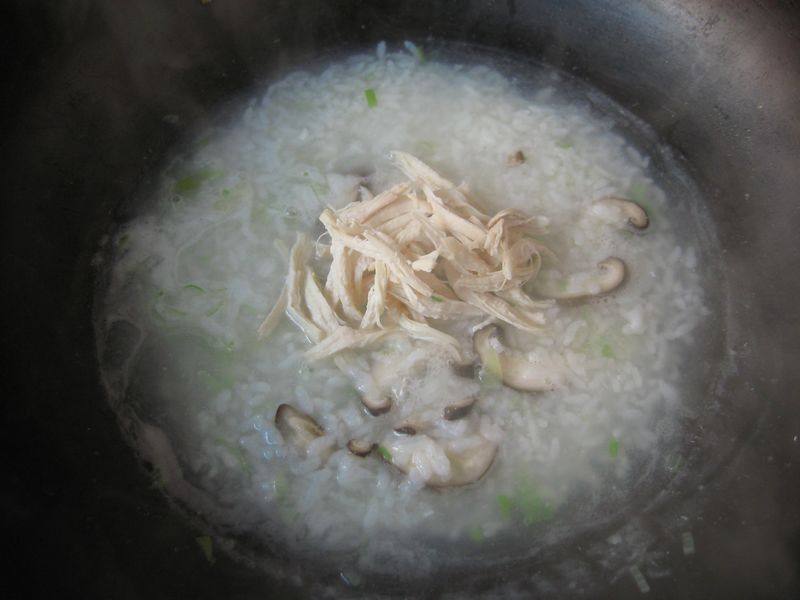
x: 415, y: 50
x: 244, y: 464
x: 476, y: 533
x: 207, y: 546
x: 319, y: 189
x: 196, y: 288
x: 641, y: 582
x: 613, y: 447
x: 506, y: 505
x: 688, y: 543
x: 159, y: 482
x: 225, y: 203
x: 215, y: 382
x: 607, y: 351
x: 281, y: 487
x: 526, y: 502
x: 426, y: 147
x: 188, y: 185
x: 533, y: 507
x: 674, y: 462
x: 437, y: 298
x: 351, y: 578
x: 372, y: 99
x: 249, y: 308
x: 384, y: 452
x: 215, y: 309
x: 565, y: 144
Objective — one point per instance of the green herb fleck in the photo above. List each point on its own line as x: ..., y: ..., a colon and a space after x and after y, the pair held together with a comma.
x: 196, y: 288
x: 319, y: 189
x: 687, y: 540
x: 674, y: 462
x: 384, y: 452
x: 250, y: 309
x: 215, y: 309
x: 159, y: 482
x: 226, y: 202
x: 533, y: 507
x: 476, y: 533
x: 613, y: 447
x: 244, y: 464
x: 607, y: 351
x: 372, y: 99
x: 565, y: 144
x: 418, y: 53
x: 281, y: 487
x: 214, y: 382
x: 426, y: 147
x: 190, y: 184
x: 506, y: 505
x: 207, y: 546
x: 526, y: 502
x: 437, y: 298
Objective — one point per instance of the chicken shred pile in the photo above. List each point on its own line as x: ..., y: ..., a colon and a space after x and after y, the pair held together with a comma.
x: 419, y: 251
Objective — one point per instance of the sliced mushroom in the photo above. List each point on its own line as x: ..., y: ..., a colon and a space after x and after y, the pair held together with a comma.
x: 360, y: 447
x: 440, y: 463
x: 297, y: 428
x: 372, y: 394
x: 610, y: 275
x: 517, y: 371
x: 406, y: 429
x: 460, y: 409
x: 615, y: 208
x: 418, y: 422
x: 376, y: 402
x: 515, y: 159
x: 468, y: 465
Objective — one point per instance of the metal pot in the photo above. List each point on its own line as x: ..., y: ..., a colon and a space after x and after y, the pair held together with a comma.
x: 89, y: 84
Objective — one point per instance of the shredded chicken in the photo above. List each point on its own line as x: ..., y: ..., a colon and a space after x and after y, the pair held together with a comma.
x: 274, y: 317
x: 419, y: 250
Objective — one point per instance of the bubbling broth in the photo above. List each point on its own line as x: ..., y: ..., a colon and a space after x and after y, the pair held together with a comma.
x: 565, y: 389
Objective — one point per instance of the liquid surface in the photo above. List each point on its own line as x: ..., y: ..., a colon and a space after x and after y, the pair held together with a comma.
x: 191, y: 279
